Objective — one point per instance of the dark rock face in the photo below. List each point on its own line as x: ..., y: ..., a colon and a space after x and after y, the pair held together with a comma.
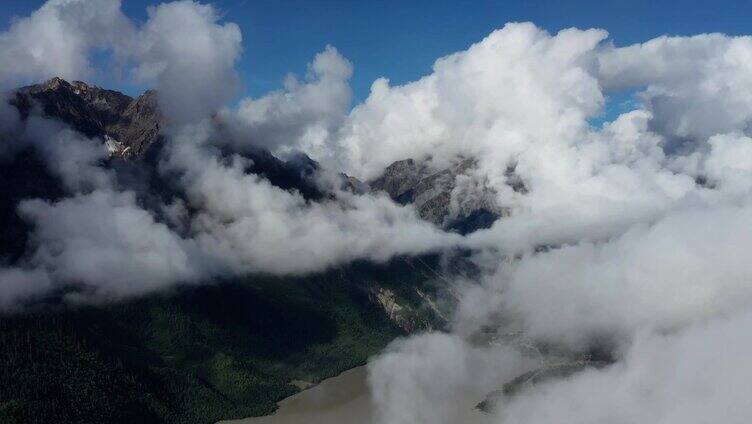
x: 138, y: 126
x: 130, y: 126
x: 296, y: 173
x: 400, y: 179
x: 353, y: 185
x: 431, y: 190
x: 475, y: 220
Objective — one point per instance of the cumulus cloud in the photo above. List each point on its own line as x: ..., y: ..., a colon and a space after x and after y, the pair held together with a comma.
x: 102, y: 239
x: 303, y: 116
x: 105, y: 243
x: 72, y: 157
x: 651, y: 298
x: 663, y: 276
x: 517, y: 86
x: 182, y: 48
x: 630, y: 229
x: 189, y: 56
x: 58, y: 39
x: 438, y: 378
x: 696, y: 375
x: 695, y: 87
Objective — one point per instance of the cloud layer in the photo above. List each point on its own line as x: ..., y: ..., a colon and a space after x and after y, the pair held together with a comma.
x: 696, y: 375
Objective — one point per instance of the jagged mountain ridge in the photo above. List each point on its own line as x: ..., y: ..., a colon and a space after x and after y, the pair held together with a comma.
x: 130, y: 126
x: 436, y: 196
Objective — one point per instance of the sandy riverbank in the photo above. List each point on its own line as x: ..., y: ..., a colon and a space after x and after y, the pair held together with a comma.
x: 343, y: 399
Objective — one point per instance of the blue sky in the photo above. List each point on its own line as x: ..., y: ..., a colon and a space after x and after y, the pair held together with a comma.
x: 401, y: 39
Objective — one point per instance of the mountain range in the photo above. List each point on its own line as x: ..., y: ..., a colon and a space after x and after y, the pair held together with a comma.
x: 226, y: 349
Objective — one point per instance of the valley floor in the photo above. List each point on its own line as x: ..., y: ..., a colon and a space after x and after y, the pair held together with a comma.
x: 225, y: 350
x: 346, y: 399
x: 343, y: 399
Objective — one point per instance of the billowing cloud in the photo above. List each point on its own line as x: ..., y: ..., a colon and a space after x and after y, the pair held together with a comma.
x: 697, y: 375
x: 660, y: 277
x: 303, y: 116
x: 624, y: 232
x: 256, y: 226
x: 185, y: 52
x: 109, y: 245
x: 516, y: 87
x: 182, y: 49
x: 438, y: 378
x: 58, y: 40
x: 695, y: 87
x: 105, y: 243
x: 72, y: 157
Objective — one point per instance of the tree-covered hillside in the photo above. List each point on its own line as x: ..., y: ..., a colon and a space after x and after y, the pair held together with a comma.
x: 197, y: 354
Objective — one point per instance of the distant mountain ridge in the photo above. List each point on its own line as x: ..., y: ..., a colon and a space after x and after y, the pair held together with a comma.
x: 435, y: 194
x: 131, y: 129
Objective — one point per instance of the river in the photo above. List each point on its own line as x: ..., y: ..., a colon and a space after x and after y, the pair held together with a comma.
x: 346, y: 399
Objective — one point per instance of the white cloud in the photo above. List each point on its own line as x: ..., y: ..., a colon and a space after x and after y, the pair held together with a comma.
x: 71, y: 156
x: 107, y: 243
x: 18, y: 285
x: 183, y: 49
x: 58, y: 39
x: 303, y: 116
x: 518, y: 86
x: 729, y: 162
x: 190, y: 57
x: 256, y: 226
x: 698, y: 375
x: 696, y: 87
x: 663, y: 276
x: 643, y: 248
x: 438, y: 378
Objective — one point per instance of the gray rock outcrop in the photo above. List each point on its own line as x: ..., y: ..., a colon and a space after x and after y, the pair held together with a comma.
x: 451, y: 198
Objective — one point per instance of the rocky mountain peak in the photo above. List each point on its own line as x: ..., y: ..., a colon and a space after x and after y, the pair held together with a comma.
x: 436, y: 195
x: 54, y: 83
x: 400, y: 179
x: 128, y: 126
